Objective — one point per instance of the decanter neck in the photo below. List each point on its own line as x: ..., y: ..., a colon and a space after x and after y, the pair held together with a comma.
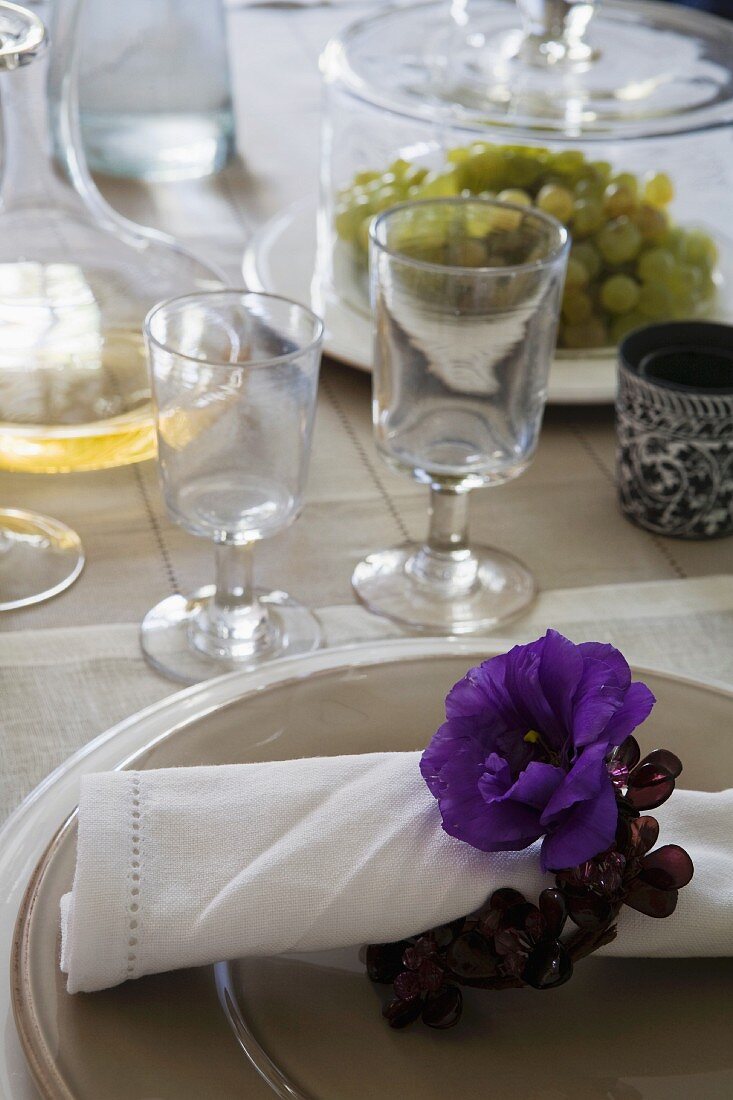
x: 38, y: 100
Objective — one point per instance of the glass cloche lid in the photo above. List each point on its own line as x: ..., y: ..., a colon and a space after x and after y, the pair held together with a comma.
x: 558, y: 68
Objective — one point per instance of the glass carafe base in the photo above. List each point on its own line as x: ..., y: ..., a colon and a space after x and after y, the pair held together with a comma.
x: 107, y: 443
x: 84, y: 406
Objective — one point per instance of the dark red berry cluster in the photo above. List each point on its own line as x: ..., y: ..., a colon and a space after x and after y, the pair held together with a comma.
x: 510, y: 942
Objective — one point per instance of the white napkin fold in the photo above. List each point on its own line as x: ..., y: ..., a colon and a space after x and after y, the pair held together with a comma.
x: 186, y: 866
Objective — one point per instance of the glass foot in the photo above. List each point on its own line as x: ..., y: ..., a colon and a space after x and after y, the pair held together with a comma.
x: 500, y: 588
x: 39, y: 557
x: 169, y: 631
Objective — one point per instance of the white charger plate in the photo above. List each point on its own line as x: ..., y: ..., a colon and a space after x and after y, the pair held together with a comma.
x: 336, y: 695
x: 281, y: 259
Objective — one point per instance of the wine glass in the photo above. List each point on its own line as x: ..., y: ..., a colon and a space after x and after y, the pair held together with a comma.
x: 466, y: 296
x: 39, y: 557
x: 234, y: 378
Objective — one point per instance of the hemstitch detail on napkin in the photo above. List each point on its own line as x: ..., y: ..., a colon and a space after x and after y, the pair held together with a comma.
x: 133, y: 904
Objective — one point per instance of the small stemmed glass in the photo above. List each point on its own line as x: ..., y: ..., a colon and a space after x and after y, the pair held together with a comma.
x: 466, y: 297
x: 234, y: 378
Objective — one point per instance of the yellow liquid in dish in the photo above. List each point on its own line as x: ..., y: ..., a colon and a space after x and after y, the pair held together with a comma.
x: 84, y: 409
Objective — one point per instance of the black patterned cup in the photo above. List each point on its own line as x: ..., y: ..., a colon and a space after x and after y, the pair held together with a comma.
x: 674, y: 423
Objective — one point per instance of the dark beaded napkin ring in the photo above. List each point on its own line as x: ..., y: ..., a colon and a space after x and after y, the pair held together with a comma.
x: 510, y: 942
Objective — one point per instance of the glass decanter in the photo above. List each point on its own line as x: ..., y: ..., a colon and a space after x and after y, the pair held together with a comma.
x: 39, y: 557
x: 76, y: 279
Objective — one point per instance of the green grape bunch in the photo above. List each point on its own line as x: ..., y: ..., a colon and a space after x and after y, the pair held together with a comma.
x: 629, y: 263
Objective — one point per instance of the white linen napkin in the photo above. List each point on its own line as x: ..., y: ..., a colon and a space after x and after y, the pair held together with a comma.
x: 186, y: 866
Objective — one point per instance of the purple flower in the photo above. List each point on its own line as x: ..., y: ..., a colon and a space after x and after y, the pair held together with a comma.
x: 523, y: 752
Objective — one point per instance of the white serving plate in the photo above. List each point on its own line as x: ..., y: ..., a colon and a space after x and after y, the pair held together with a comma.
x: 281, y: 259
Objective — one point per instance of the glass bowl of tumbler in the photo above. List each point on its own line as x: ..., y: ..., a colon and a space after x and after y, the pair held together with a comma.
x: 619, y: 123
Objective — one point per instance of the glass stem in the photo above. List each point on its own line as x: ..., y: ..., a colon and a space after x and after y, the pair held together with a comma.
x: 445, y: 561
x: 233, y: 623
x: 554, y: 30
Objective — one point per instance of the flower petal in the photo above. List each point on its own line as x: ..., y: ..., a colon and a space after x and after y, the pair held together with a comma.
x: 584, y: 831
x: 607, y: 704
x: 560, y: 673
x: 597, y: 700
x: 455, y: 747
x: 526, y: 689
x: 512, y: 817
x: 482, y: 692
x: 585, y: 780
x: 535, y: 785
x: 634, y: 710
x: 471, y: 695
x: 496, y: 780
x: 612, y: 658
x: 495, y: 827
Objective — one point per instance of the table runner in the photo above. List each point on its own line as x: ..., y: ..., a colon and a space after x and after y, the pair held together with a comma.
x: 62, y: 687
x: 560, y: 517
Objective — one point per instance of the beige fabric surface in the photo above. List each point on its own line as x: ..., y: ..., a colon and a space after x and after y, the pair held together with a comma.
x: 61, y: 687
x: 560, y: 517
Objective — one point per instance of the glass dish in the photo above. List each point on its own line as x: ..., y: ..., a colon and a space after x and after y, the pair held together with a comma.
x: 621, y: 126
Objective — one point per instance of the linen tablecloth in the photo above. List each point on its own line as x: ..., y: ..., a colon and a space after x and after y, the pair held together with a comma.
x: 71, y: 667
x: 60, y: 687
